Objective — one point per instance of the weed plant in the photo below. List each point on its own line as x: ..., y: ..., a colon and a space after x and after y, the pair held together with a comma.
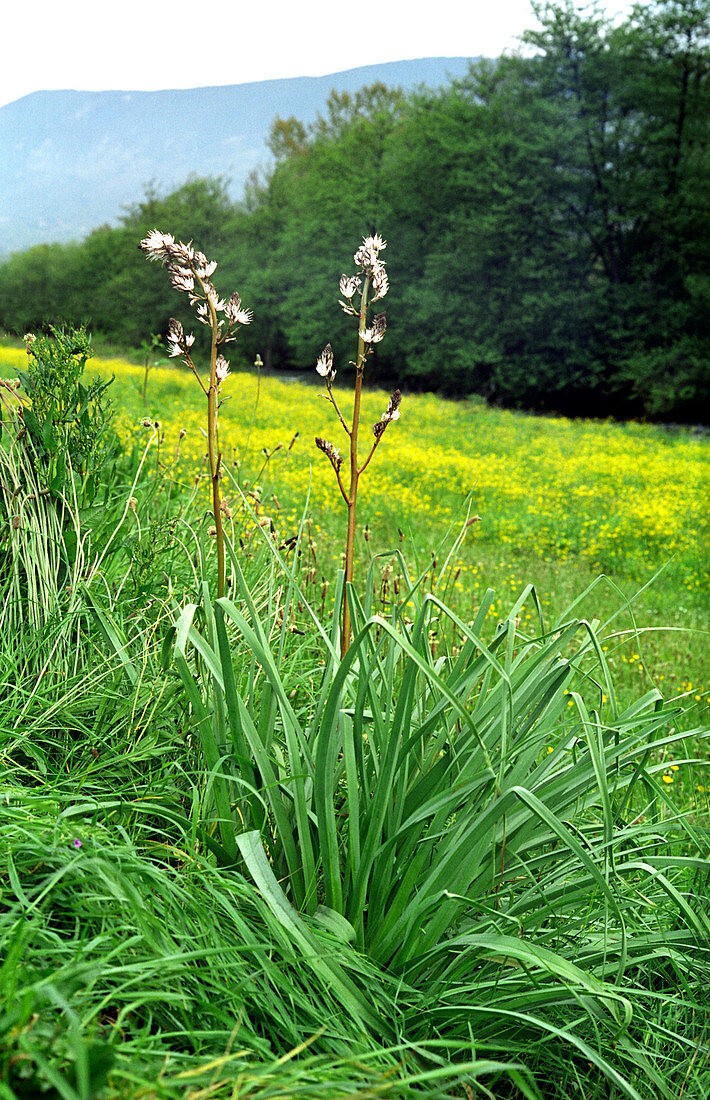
x: 372, y: 277
x: 57, y: 473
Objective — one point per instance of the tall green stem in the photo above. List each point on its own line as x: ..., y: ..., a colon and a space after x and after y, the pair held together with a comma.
x: 354, y: 472
x: 214, y: 455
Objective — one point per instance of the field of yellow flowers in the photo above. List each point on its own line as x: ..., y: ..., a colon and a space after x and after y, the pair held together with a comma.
x: 559, y: 502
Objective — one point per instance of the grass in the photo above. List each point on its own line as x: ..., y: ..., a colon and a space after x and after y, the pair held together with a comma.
x: 563, y: 501
x: 469, y: 860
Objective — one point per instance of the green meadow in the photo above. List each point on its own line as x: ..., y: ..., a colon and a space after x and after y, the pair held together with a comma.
x: 468, y: 858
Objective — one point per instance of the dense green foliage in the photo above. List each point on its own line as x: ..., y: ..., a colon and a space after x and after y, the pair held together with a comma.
x: 551, y: 215
x: 234, y: 865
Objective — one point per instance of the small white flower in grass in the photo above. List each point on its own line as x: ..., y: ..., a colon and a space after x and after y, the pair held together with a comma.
x: 324, y: 365
x: 221, y: 369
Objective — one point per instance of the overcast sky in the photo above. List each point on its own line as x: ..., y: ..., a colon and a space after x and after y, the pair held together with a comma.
x: 151, y: 44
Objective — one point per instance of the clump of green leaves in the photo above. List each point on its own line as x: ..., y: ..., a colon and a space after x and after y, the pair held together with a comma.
x: 57, y: 449
x: 148, y: 551
x: 470, y: 822
x: 67, y: 419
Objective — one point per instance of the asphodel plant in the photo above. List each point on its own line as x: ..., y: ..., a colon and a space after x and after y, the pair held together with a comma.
x: 190, y: 272
x: 359, y: 292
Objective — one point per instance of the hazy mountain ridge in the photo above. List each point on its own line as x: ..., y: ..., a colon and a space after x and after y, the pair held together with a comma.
x: 70, y: 160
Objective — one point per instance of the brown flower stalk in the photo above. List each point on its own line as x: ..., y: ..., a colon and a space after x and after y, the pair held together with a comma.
x: 371, y: 280
x: 190, y: 272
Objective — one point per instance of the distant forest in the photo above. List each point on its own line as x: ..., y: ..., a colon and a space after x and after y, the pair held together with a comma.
x: 547, y: 219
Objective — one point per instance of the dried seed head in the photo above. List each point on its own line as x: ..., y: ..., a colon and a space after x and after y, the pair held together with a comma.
x: 391, y: 413
x: 332, y: 452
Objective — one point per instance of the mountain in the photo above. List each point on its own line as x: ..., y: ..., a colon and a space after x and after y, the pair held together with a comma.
x: 71, y: 160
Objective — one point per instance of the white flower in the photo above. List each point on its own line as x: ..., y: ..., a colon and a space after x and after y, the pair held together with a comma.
x: 380, y: 282
x: 366, y: 255
x: 156, y: 245
x: 235, y: 314
x: 324, y: 366
x: 181, y: 254
x: 176, y: 338
x: 212, y: 296
x: 181, y: 279
x: 221, y: 369
x: 178, y: 341
x: 203, y: 267
x: 348, y: 285
x: 376, y: 331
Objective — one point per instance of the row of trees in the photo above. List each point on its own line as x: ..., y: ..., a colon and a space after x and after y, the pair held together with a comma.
x: 548, y: 220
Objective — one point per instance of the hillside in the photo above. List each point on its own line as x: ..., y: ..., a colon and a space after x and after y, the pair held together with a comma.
x: 70, y: 160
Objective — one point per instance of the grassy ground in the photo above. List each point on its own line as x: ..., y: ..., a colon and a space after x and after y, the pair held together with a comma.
x: 508, y: 869
x: 561, y: 503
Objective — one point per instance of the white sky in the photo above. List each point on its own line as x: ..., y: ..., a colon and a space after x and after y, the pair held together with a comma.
x: 98, y: 45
